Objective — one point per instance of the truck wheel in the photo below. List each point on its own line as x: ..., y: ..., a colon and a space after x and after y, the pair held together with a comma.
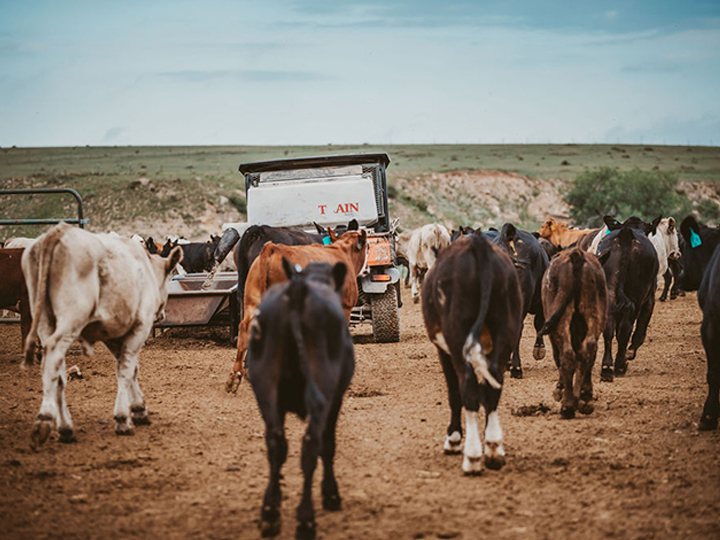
x: 385, y: 317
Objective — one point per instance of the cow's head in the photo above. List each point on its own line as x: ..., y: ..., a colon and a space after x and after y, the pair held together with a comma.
x: 666, y: 228
x: 548, y: 228
x: 633, y: 222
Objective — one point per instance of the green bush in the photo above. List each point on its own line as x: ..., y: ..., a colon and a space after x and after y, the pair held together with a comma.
x: 707, y: 210
x: 606, y: 191
x: 238, y: 202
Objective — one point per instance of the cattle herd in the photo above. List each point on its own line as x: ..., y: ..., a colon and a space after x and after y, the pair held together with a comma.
x: 293, y: 342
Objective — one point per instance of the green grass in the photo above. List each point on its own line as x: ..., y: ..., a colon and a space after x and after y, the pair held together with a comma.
x: 183, y: 179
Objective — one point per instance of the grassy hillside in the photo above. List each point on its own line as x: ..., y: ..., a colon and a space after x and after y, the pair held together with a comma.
x: 188, y: 187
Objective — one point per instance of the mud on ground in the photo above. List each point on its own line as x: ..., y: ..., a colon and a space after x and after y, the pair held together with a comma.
x: 636, y: 468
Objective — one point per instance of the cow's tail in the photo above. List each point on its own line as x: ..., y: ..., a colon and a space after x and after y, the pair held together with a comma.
x: 46, y: 248
x: 623, y: 304
x: 578, y: 261
x: 473, y: 351
x: 314, y: 399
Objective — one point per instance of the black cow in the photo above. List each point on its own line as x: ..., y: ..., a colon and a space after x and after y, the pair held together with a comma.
x: 531, y: 261
x: 699, y: 243
x: 473, y: 314
x: 631, y: 266
x: 300, y: 359
x: 709, y: 299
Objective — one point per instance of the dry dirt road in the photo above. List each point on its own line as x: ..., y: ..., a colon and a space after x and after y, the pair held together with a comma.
x: 636, y: 468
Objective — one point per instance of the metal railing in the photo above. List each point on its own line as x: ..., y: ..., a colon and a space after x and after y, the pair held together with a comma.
x: 80, y: 221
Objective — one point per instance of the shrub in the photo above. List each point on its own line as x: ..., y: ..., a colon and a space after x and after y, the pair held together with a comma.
x: 707, y: 211
x: 606, y: 191
x: 238, y: 202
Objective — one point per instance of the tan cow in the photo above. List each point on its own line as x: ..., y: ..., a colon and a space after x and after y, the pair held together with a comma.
x: 560, y: 235
x: 92, y: 287
x: 350, y: 248
x: 422, y: 250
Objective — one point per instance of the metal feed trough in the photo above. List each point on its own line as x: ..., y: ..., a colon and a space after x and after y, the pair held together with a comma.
x: 190, y: 305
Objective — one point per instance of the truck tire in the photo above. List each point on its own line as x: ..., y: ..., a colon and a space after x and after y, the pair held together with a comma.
x: 385, y: 316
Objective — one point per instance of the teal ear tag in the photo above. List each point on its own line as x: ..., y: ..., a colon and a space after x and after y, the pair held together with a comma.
x: 695, y: 240
x: 326, y: 240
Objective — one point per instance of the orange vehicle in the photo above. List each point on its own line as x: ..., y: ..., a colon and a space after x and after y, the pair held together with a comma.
x: 331, y: 191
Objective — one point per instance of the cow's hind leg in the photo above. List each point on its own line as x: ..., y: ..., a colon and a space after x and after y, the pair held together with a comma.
x: 310, y: 451
x: 129, y: 403
x: 494, y: 455
x: 453, y: 440
x: 606, y: 374
x: 473, y: 450
x: 270, y: 522
x: 568, y: 367
x: 539, y: 347
x: 711, y: 410
x: 586, y: 361
x: 667, y: 277
x: 624, y: 330
x: 643, y: 320
x: 54, y: 410
x: 330, y: 494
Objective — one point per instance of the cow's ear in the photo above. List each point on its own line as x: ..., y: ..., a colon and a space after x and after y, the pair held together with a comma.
x: 653, y: 225
x: 671, y: 225
x: 362, y: 240
x: 319, y: 228
x: 176, y: 255
x: 332, y: 234
x: 290, y: 271
x: 339, y: 271
x: 353, y: 225
x: 509, y: 232
x: 611, y: 222
x: 535, y: 234
x: 603, y: 256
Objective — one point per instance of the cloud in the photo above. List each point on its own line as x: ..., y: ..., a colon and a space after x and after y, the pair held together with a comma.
x: 113, y: 134
x: 195, y: 76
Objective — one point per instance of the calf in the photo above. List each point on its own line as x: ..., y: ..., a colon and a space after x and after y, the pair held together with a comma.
x: 560, y: 234
x: 530, y: 261
x: 422, y: 250
x: 709, y: 299
x: 300, y: 359
x: 92, y: 287
x: 630, y: 264
x: 574, y: 291
x: 472, y: 311
x: 13, y: 292
x: 350, y: 249
x: 699, y: 245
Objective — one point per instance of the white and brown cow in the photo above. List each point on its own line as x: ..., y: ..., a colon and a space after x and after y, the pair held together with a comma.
x: 667, y: 245
x: 422, y: 250
x: 92, y: 287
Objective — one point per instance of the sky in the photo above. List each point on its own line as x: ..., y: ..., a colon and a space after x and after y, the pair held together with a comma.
x: 316, y: 72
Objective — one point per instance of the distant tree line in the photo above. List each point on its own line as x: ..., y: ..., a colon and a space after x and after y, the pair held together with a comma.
x: 646, y: 194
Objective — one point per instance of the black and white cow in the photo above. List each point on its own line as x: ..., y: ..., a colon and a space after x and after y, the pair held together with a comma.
x: 530, y: 261
x: 630, y: 264
x: 300, y: 359
x: 472, y: 308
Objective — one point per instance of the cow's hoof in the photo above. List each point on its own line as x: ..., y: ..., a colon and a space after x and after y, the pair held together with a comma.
x: 630, y: 354
x: 332, y: 502
x: 663, y: 298
x: 538, y: 352
x: 233, y: 383
x: 270, y: 528
x: 453, y: 443
x: 123, y: 426
x: 306, y: 530
x: 472, y: 465
x: 415, y: 299
x: 586, y: 407
x: 567, y: 412
x: 620, y: 370
x: 681, y: 293
x: 516, y: 373
x: 140, y: 416
x: 67, y: 435
x: 707, y: 423
x: 557, y: 394
x: 40, y: 433
x: 494, y: 462
x: 606, y: 374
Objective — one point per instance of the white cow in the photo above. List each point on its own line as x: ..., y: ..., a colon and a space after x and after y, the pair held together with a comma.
x: 667, y: 245
x: 92, y: 287
x: 424, y: 243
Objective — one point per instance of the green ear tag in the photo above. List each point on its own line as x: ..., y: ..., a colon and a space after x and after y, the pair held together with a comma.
x: 695, y: 240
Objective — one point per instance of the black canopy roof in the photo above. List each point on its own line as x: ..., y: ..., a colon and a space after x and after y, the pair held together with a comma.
x: 314, y: 162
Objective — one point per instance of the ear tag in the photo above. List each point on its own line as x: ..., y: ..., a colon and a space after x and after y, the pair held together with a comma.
x: 608, y: 231
x: 327, y: 240
x: 298, y: 268
x: 695, y: 240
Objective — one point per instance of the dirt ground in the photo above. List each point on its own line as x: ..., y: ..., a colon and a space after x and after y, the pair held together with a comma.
x: 636, y: 468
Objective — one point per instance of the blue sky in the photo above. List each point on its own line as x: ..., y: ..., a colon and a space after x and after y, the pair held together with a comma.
x: 102, y: 72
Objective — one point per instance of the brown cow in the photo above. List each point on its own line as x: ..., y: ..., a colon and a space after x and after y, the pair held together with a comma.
x: 13, y: 292
x: 574, y: 291
x: 350, y: 248
x: 560, y: 235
